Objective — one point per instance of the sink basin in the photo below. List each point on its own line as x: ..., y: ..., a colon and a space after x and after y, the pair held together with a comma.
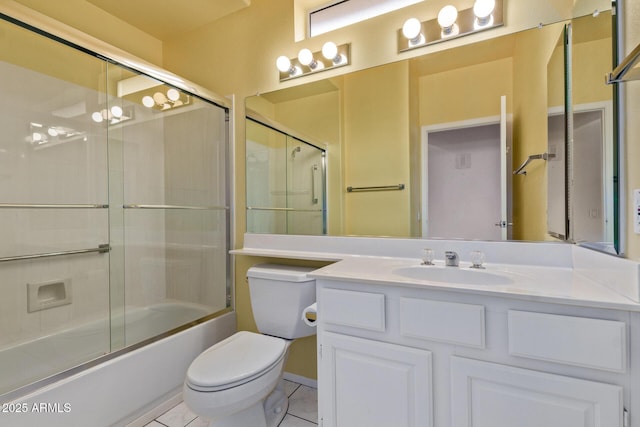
x: 458, y: 275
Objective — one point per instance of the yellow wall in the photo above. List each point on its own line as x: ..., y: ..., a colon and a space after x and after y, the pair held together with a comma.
x: 376, y: 153
x: 533, y: 51
x: 465, y: 93
x: 591, y: 61
x: 323, y: 124
x: 91, y: 20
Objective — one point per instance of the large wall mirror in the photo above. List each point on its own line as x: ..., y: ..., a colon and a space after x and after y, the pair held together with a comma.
x: 462, y: 143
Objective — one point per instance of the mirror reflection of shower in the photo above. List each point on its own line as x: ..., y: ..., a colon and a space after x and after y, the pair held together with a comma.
x: 286, y: 190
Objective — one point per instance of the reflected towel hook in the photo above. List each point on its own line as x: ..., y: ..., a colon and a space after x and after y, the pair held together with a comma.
x: 543, y: 156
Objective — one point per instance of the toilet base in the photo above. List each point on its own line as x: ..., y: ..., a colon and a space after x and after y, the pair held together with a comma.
x: 276, y: 405
x: 252, y: 416
x: 266, y: 413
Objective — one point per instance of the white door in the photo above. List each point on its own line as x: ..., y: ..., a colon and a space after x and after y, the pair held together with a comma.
x: 491, y: 395
x: 373, y: 384
x: 465, y: 179
x: 505, y: 174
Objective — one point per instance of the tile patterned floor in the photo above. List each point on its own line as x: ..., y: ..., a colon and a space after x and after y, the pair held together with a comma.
x: 302, y: 412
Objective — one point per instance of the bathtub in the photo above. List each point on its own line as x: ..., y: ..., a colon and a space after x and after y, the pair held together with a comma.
x: 119, y: 390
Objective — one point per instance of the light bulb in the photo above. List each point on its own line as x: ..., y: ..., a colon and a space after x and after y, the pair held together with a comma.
x: 305, y: 56
x: 97, y: 117
x: 173, y: 94
x: 447, y: 18
x: 52, y: 132
x: 148, y: 101
x: 411, y: 28
x: 36, y: 136
x: 330, y: 51
x: 284, y: 64
x: 116, y: 110
x: 159, y: 98
x: 483, y: 10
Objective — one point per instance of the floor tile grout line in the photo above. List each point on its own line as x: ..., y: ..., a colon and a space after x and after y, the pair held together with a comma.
x: 300, y: 418
x: 295, y: 389
x: 187, y: 424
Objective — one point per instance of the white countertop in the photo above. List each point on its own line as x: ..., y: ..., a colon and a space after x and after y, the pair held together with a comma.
x: 533, y: 283
x: 544, y: 272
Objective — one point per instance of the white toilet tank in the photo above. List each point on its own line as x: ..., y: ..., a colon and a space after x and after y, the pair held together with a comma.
x: 279, y: 294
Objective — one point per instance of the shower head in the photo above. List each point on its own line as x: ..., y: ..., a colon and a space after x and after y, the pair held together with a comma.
x: 294, y: 151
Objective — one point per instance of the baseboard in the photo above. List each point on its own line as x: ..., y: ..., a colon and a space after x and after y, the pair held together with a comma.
x: 300, y: 379
x: 163, y: 407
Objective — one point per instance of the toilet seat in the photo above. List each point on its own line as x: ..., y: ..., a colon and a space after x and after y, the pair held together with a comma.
x: 234, y: 361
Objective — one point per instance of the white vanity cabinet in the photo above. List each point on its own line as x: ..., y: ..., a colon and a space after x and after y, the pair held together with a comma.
x: 358, y: 369
x: 410, y: 356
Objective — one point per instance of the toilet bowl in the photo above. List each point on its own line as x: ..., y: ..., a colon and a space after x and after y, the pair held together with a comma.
x: 230, y: 381
x: 238, y: 381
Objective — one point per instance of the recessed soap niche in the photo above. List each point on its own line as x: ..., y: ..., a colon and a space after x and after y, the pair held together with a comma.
x: 41, y: 296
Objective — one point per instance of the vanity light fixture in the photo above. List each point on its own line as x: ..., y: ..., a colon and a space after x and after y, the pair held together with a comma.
x: 113, y: 115
x: 307, y: 62
x: 450, y: 23
x: 172, y: 98
x: 42, y: 135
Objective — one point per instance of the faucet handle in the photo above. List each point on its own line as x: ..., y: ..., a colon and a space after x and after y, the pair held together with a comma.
x: 427, y: 256
x: 477, y: 258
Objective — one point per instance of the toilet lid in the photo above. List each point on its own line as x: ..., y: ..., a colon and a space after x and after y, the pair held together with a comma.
x: 235, y: 360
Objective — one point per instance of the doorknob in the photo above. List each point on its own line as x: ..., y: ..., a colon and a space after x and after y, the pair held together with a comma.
x: 503, y: 224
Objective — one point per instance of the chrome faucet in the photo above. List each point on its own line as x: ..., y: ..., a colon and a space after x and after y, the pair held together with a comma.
x: 451, y: 259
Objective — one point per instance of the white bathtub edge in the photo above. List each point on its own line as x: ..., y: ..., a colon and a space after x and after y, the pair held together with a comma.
x: 123, y: 389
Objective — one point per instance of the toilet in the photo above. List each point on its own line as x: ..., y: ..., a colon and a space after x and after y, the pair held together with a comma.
x: 238, y: 381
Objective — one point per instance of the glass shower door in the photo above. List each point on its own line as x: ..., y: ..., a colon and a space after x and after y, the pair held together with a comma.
x: 173, y: 235
x: 54, y: 238
x: 286, y: 190
x: 305, y: 189
x: 266, y: 161
x: 114, y: 206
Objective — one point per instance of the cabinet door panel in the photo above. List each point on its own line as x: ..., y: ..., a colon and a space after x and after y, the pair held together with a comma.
x: 490, y: 395
x: 579, y: 341
x: 373, y: 384
x: 364, y: 310
x: 449, y: 322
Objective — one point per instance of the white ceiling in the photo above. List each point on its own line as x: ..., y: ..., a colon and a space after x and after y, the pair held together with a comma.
x: 164, y: 19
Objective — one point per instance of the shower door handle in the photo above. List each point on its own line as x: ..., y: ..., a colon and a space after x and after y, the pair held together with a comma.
x: 314, y: 198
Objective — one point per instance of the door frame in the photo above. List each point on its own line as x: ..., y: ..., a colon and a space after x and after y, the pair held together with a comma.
x: 424, y: 162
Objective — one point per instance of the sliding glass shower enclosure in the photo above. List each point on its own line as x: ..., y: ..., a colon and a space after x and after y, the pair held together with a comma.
x: 114, y: 207
x: 286, y: 185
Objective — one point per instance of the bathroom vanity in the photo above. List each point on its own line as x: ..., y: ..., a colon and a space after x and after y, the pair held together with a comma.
x: 399, y: 349
x: 549, y: 343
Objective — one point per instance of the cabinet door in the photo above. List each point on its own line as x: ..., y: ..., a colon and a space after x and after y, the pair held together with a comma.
x: 490, y: 395
x: 373, y: 384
